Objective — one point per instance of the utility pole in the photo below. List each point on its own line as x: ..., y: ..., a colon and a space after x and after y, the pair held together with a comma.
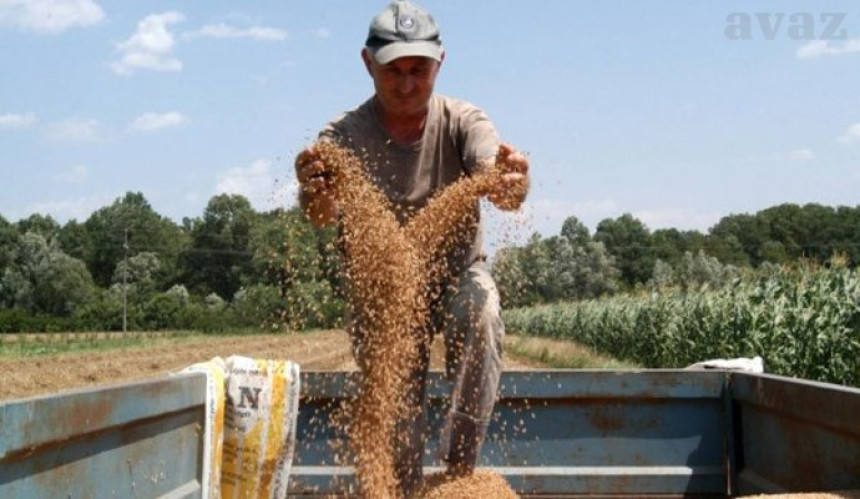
x: 124, y: 280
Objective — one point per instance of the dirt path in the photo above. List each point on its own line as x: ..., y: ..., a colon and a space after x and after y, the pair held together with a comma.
x: 322, y: 351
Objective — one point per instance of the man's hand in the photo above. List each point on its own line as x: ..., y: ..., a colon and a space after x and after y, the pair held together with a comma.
x: 317, y: 190
x: 513, y: 185
x: 313, y: 175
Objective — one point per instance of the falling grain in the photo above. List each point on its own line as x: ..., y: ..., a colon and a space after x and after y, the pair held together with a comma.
x: 392, y: 273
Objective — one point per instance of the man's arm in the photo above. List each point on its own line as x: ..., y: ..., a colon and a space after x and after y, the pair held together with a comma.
x: 483, y: 149
x: 317, y: 194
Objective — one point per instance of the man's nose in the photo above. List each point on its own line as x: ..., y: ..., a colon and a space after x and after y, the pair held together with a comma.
x: 405, y: 84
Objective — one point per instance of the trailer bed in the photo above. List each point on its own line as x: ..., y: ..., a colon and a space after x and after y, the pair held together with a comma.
x: 555, y: 433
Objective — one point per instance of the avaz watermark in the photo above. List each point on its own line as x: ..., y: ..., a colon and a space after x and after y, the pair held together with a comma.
x: 795, y: 25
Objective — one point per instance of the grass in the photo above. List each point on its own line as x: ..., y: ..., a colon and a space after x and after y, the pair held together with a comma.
x: 560, y: 354
x: 36, y: 344
x: 544, y: 352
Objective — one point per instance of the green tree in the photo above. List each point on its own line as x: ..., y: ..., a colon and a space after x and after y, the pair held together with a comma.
x: 629, y: 241
x: 670, y: 245
x: 219, y: 258
x: 775, y: 252
x: 575, y: 232
x: 8, y: 240
x: 554, y: 269
x: 700, y: 270
x: 846, y: 233
x: 749, y: 231
x: 290, y: 254
x: 138, y: 275
x: 577, y: 271
x: 141, y: 268
x: 663, y: 277
x: 596, y: 274
x: 125, y: 228
x: 75, y: 240
x: 536, y: 265
x: 258, y: 305
x: 521, y: 274
x: 44, y: 225
x: 728, y: 249
x: 40, y: 278
x: 514, y: 288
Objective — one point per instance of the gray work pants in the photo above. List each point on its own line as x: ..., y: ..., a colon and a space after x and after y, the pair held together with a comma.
x: 469, y: 317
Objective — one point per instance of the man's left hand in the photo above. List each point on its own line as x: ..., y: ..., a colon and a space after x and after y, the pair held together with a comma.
x: 513, y: 184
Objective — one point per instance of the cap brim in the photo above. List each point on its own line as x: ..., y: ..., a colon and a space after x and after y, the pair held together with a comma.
x: 396, y: 50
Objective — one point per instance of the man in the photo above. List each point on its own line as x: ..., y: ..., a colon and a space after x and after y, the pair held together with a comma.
x: 414, y: 143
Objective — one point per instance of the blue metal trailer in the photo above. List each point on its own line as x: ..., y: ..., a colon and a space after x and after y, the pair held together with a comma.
x: 555, y: 433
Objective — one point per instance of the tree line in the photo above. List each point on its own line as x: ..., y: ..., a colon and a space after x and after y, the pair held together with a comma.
x: 623, y: 255
x: 128, y: 266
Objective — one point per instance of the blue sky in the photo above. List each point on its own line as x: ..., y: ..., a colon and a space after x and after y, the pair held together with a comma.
x: 653, y: 108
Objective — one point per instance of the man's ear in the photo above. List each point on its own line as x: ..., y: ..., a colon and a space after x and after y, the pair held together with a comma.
x: 366, y: 57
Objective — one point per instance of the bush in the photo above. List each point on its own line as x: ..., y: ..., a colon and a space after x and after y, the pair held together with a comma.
x: 19, y: 321
x: 311, y: 305
x: 257, y: 305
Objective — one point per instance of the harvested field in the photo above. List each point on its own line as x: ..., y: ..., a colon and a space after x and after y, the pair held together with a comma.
x: 40, y: 375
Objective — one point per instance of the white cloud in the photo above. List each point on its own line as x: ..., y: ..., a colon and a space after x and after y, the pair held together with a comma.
x: 49, y: 16
x: 801, y: 155
x: 151, y: 122
x: 11, y: 121
x: 852, y: 135
x: 820, y: 48
x: 74, y: 130
x: 150, y: 47
x: 223, y: 30
x: 322, y: 33
x: 74, y: 176
x: 256, y: 183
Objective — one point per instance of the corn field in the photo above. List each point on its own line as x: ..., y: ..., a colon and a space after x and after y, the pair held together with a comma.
x: 803, y: 321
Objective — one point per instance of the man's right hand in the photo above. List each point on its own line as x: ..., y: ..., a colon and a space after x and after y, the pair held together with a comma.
x: 317, y: 189
x: 313, y: 174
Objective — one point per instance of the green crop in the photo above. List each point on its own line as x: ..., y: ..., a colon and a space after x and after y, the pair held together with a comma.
x: 803, y: 321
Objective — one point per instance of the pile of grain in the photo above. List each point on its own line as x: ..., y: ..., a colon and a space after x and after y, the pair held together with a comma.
x: 480, y: 484
x: 392, y: 274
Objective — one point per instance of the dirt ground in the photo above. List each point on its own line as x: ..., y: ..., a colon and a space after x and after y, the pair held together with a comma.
x: 322, y: 351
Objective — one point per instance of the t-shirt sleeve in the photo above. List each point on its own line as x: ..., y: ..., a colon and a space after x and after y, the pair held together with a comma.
x: 479, y: 141
x: 345, y: 129
x: 333, y: 131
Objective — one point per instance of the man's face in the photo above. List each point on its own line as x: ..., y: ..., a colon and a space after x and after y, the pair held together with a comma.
x: 404, y: 85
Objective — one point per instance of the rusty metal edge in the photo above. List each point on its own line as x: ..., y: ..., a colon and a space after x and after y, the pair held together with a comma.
x: 552, y: 384
x: 86, y: 411
x: 784, y: 394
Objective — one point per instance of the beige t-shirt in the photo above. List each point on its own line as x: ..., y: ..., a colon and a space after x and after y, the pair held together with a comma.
x: 457, y: 137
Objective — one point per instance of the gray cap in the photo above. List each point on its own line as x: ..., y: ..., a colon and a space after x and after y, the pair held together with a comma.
x: 403, y: 29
